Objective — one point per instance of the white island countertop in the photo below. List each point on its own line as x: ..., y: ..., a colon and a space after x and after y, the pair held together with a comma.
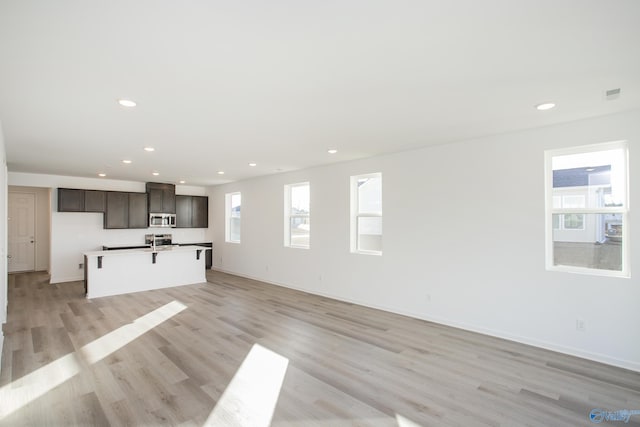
x: 159, y: 249
x: 116, y: 272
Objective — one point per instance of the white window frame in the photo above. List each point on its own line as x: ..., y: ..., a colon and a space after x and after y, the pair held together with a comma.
x: 288, y: 216
x: 355, y: 214
x: 622, y: 210
x: 229, y: 215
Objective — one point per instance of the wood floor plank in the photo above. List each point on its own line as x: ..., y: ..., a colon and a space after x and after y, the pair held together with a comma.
x: 347, y: 364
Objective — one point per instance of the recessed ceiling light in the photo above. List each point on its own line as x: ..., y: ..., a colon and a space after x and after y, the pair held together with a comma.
x: 252, y: 164
x: 183, y: 182
x: 220, y: 172
x: 545, y: 106
x: 102, y: 175
x: 332, y: 151
x: 126, y: 103
x: 149, y: 149
x: 126, y: 162
x: 155, y: 173
x: 590, y: 169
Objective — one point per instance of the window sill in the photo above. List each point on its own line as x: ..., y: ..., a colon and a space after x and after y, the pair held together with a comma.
x: 378, y: 253
x: 589, y: 271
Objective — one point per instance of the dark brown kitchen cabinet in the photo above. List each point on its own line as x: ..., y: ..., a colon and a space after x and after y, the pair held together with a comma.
x: 95, y: 201
x: 183, y: 211
x: 200, y: 212
x: 117, y: 211
x: 70, y: 200
x: 126, y: 210
x: 162, y: 197
x: 76, y: 200
x: 138, y: 210
x: 192, y: 211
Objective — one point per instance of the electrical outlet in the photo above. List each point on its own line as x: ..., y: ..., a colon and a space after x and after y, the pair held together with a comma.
x: 581, y: 325
x: 428, y: 298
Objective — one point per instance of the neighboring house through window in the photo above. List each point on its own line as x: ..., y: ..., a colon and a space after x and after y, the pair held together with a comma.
x: 297, y: 215
x: 366, y: 214
x: 587, y: 205
x: 233, y: 203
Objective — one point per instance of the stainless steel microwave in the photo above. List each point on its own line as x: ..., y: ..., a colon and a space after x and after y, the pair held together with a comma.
x: 162, y: 220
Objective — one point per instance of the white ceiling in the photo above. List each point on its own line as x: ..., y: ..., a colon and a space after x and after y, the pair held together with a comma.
x: 220, y: 84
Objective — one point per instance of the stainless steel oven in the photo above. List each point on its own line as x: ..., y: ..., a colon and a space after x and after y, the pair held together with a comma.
x: 158, y: 240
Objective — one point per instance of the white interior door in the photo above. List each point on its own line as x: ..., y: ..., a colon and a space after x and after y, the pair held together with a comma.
x: 21, y: 232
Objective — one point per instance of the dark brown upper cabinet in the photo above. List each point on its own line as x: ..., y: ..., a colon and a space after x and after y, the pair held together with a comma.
x: 126, y: 210
x: 200, y: 212
x: 76, y: 200
x: 95, y: 201
x: 192, y: 211
x: 183, y: 211
x: 131, y: 210
x: 70, y: 200
x: 162, y: 197
x: 117, y: 211
x: 138, y: 217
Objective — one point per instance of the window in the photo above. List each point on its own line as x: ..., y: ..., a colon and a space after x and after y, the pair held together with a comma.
x: 587, y: 205
x: 366, y: 214
x: 233, y: 202
x: 297, y: 226
x: 568, y: 221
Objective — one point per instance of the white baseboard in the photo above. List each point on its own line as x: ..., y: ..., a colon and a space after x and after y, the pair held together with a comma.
x: 55, y: 280
x: 571, y: 351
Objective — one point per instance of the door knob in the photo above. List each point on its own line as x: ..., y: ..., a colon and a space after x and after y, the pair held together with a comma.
x: 8, y: 256
x: 32, y: 241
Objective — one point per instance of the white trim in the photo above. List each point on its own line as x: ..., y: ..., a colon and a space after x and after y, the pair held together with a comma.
x: 604, y: 210
x: 355, y: 214
x: 287, y: 214
x: 364, y: 252
x: 622, y: 210
x: 589, y: 148
x: 228, y: 217
x: 56, y: 280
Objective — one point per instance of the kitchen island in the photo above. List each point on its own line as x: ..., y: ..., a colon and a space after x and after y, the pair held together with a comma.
x: 134, y: 270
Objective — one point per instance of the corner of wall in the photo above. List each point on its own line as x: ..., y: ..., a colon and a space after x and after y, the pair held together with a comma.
x: 1, y: 345
x: 3, y: 239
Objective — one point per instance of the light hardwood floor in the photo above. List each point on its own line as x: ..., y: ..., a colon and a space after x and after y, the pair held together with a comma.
x: 347, y: 365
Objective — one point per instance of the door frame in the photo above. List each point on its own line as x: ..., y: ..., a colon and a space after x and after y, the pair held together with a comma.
x: 43, y: 223
x: 35, y: 230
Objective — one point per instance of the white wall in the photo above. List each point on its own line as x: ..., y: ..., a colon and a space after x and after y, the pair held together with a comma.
x: 73, y: 233
x: 463, y: 242
x: 3, y: 238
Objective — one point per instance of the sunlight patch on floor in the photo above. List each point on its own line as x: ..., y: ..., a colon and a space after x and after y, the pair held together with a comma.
x: 25, y: 390
x: 30, y: 387
x: 405, y: 422
x: 118, y: 338
x: 251, y: 397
